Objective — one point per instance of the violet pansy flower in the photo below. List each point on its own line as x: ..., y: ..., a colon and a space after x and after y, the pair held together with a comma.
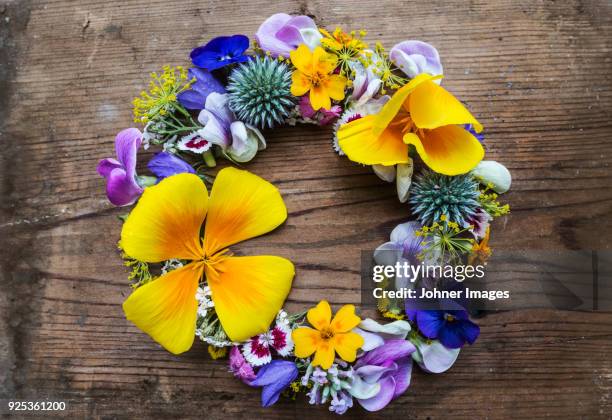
x: 452, y: 328
x: 121, y: 186
x: 389, y: 367
x: 416, y: 57
x: 281, y: 33
x: 220, y: 52
x: 165, y: 164
x: 205, y: 83
x: 274, y: 378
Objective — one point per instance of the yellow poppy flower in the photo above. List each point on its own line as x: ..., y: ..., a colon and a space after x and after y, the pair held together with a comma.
x: 422, y: 114
x: 314, y: 74
x: 329, y: 336
x: 247, y: 291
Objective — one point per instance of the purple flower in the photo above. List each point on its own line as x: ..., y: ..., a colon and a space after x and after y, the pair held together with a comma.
x: 221, y: 51
x: 121, y: 186
x: 480, y: 220
x: 479, y: 136
x: 389, y: 366
x: 240, y: 367
x: 195, y: 97
x: 165, y: 164
x: 452, y: 328
x: 322, y: 116
x: 432, y: 356
x: 274, y: 378
x: 416, y: 57
x: 281, y: 33
x: 366, y: 83
x: 239, y: 140
x: 404, y: 246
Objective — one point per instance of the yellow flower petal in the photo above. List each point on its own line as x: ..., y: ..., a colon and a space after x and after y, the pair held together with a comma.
x: 360, y: 144
x: 242, y: 206
x: 167, y: 220
x: 248, y: 292
x: 323, y: 62
x: 345, y: 319
x: 300, y: 84
x: 432, y: 106
x: 392, y: 107
x: 347, y: 344
x: 306, y: 341
x: 449, y: 150
x: 166, y: 308
x: 325, y: 354
x: 319, y: 98
x: 301, y: 58
x: 334, y: 85
x: 320, y: 316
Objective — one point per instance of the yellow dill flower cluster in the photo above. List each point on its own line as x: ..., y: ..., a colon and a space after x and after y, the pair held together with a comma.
x: 445, y: 239
x: 488, y: 202
x: 346, y: 46
x: 384, y: 68
x: 393, y: 315
x: 217, y: 352
x: 160, y: 99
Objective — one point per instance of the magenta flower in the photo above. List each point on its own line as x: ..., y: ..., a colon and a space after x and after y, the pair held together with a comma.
x: 281, y: 33
x: 387, y: 367
x: 121, y: 186
x: 416, y: 57
x: 322, y: 116
x: 240, y: 367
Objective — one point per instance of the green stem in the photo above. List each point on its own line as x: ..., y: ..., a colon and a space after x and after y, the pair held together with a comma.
x: 209, y: 159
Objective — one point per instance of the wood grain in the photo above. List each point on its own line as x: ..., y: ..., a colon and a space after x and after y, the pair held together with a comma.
x: 536, y: 73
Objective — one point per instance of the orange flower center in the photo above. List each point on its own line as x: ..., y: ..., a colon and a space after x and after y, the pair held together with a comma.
x: 404, y: 122
x: 327, y: 333
x: 317, y: 78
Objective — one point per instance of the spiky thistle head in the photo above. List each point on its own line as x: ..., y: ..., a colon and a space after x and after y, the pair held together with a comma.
x: 433, y: 195
x: 260, y: 92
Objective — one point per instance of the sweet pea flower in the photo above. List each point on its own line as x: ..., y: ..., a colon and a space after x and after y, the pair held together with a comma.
x: 366, y: 83
x: 404, y: 246
x: 205, y: 83
x: 165, y: 164
x: 432, y: 356
x: 322, y: 116
x: 220, y: 52
x: 388, y: 366
x: 239, y: 140
x: 274, y: 378
x: 375, y: 334
x: 416, y: 57
x: 281, y: 33
x: 121, y: 186
x: 240, y: 367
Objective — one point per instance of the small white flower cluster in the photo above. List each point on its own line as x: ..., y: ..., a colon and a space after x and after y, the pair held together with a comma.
x: 171, y: 265
x: 205, y: 302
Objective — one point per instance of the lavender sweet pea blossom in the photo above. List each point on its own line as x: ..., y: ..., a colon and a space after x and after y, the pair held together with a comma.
x: 432, y: 356
x: 389, y: 366
x: 416, y: 57
x: 366, y: 83
x: 239, y: 140
x: 274, y: 378
x: 281, y: 33
x: 165, y: 164
x: 121, y: 186
x: 205, y: 84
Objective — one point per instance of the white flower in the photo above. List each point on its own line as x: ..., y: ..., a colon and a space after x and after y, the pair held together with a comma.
x: 493, y: 172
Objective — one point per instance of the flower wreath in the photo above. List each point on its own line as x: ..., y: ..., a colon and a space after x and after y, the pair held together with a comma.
x: 386, y: 109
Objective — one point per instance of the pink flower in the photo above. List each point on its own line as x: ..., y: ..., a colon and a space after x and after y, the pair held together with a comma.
x: 322, y: 116
x: 258, y: 350
x: 240, y: 367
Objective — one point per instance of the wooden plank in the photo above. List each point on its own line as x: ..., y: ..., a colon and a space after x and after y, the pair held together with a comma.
x: 537, y: 74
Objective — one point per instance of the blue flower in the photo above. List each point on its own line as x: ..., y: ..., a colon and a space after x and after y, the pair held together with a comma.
x: 452, y: 328
x: 166, y: 164
x: 274, y: 378
x: 220, y: 52
x: 205, y: 84
x: 479, y: 136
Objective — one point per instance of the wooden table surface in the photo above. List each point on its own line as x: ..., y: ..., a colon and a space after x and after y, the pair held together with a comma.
x: 536, y: 73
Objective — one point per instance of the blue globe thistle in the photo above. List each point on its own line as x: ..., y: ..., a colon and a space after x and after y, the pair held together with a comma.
x: 433, y: 195
x: 260, y: 92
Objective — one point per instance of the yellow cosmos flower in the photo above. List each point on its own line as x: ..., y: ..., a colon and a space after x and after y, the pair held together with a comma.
x: 423, y: 114
x: 315, y: 74
x: 330, y: 336
x: 247, y: 291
